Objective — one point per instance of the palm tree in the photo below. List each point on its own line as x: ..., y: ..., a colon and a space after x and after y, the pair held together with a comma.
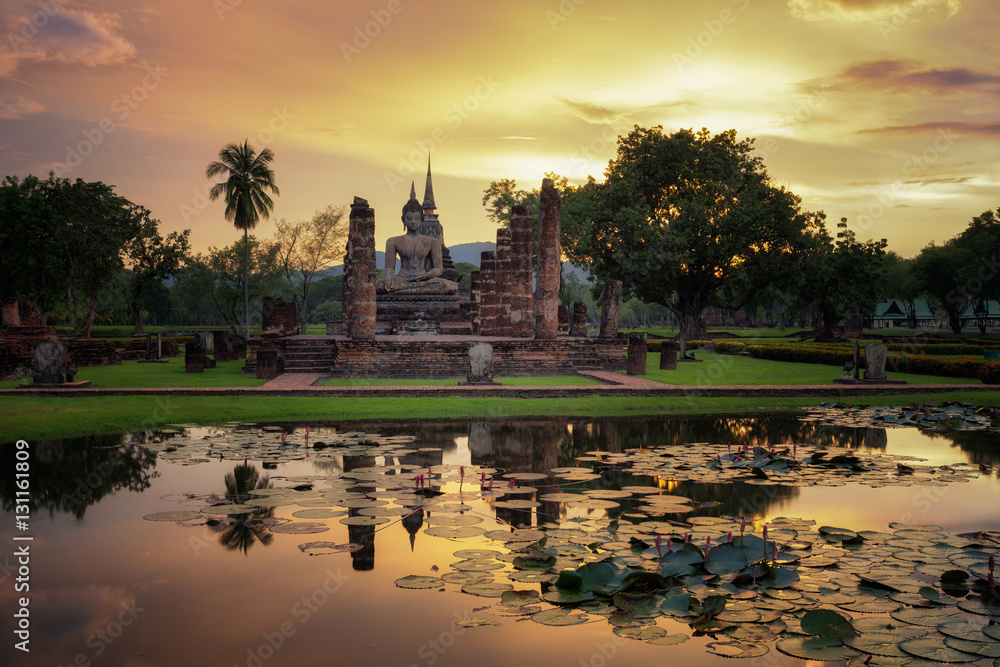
x: 248, y: 174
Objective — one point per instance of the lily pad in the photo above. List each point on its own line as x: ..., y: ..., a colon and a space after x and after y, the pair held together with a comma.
x: 935, y: 649
x: 735, y: 649
x: 475, y: 622
x: 176, y: 515
x: 825, y: 649
x: 827, y: 623
x: 301, y: 528
x: 325, y: 548
x: 416, y: 581
x: 982, y: 649
x: 559, y: 617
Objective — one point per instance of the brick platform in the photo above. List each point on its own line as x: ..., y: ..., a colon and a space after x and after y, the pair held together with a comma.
x: 438, y: 356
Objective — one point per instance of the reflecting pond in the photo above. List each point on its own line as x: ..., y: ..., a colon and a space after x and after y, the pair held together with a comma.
x: 401, y: 544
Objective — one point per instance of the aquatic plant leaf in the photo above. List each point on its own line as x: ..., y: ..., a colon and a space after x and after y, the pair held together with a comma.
x: 962, y: 629
x: 559, y: 617
x: 175, y: 515
x: 562, y: 596
x: 827, y: 623
x: 877, y: 643
x: 365, y: 520
x: 325, y: 548
x: 982, y: 649
x: 735, y: 649
x: 677, y: 604
x: 487, y: 590
x: 928, y: 617
x: 454, y: 532
x: 476, y: 622
x: 301, y: 528
x: 935, y: 649
x: 416, y: 581
x: 816, y: 648
x: 725, y: 559
x: 640, y: 605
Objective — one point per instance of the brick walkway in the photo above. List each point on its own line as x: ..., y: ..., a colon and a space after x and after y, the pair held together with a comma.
x: 615, y: 384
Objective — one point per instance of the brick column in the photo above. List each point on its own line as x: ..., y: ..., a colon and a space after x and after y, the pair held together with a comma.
x: 475, y: 301
x: 345, y: 292
x: 503, y: 282
x: 610, y: 304
x: 522, y: 321
x: 361, y: 237
x: 487, y: 293
x: 547, y: 290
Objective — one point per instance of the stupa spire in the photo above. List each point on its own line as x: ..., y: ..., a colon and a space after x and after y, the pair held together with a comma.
x: 429, y: 204
x: 413, y: 190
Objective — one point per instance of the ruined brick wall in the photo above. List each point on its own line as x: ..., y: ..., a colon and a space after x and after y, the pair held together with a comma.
x: 447, y: 359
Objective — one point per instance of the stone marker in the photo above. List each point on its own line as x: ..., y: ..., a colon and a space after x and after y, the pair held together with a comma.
x: 48, y: 362
x: 610, y: 305
x: 480, y: 365
x: 857, y: 359
x: 194, y: 357
x: 668, y: 356
x: 636, y: 354
x: 875, y: 356
x: 268, y: 366
x: 549, y: 266
x: 579, y: 325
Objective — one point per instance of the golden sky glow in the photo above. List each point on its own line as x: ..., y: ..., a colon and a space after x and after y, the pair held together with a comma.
x: 881, y: 111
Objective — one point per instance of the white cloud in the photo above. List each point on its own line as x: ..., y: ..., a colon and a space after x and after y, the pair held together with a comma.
x: 65, y: 36
x: 866, y: 11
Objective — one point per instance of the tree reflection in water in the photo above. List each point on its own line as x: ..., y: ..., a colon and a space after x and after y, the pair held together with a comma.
x: 68, y: 476
x: 245, y: 530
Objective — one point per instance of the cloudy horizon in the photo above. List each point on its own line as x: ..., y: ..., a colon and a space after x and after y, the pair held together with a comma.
x: 880, y: 111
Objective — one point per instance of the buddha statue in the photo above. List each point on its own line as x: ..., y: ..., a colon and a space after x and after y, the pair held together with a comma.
x: 420, y: 263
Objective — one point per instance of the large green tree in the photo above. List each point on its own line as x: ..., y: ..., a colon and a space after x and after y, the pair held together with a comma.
x: 152, y: 259
x: 839, y: 274
x: 249, y: 178
x: 230, y: 281
x: 689, y: 220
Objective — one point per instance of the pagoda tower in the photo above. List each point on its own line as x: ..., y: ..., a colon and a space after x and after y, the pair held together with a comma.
x: 431, y: 226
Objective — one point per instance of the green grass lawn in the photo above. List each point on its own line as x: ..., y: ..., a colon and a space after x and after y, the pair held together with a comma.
x: 170, y: 374
x: 45, y: 418
x: 557, y: 381
x: 725, y: 369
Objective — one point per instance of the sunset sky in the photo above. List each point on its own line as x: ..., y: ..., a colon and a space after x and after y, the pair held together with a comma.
x: 881, y: 111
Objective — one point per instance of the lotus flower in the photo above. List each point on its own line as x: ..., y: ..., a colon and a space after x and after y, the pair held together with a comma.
x: 687, y: 537
x: 659, y: 543
x: 482, y: 479
x: 730, y: 537
x: 774, y: 554
x: 670, y: 545
x: 765, y: 533
x: 708, y: 545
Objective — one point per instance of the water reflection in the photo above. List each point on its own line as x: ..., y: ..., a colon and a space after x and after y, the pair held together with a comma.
x: 244, y: 530
x: 68, y: 476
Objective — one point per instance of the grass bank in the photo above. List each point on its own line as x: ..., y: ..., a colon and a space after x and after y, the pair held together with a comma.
x: 47, y: 418
x: 727, y: 369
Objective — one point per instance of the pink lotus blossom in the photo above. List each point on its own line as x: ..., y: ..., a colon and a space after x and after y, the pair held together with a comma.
x: 659, y: 543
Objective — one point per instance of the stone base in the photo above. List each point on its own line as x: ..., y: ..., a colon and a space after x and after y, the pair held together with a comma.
x: 853, y: 381
x: 76, y: 384
x: 444, y: 357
